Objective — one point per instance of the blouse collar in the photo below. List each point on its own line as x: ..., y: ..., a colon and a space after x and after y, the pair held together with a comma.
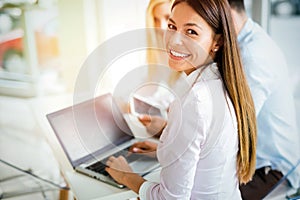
x: 207, y: 72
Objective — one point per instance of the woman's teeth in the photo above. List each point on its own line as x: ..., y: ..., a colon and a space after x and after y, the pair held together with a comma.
x: 177, y: 54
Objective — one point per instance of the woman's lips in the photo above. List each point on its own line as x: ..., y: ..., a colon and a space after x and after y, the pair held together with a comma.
x: 178, y: 55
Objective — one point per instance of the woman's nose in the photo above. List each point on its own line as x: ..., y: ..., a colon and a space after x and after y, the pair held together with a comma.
x: 176, y: 38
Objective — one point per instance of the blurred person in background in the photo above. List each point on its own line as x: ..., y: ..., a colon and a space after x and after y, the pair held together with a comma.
x: 157, y: 16
x: 267, y: 74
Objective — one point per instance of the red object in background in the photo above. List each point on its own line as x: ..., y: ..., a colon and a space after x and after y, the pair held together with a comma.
x: 11, y: 42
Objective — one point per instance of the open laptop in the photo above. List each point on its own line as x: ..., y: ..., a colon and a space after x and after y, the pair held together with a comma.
x: 94, y: 130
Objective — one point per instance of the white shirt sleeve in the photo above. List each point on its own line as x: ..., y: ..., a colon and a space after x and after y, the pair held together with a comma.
x: 178, y: 153
x: 145, y: 189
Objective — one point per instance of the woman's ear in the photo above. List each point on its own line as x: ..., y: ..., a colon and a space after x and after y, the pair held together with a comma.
x: 218, y: 42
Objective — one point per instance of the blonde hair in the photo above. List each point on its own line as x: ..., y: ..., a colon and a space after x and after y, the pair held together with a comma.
x: 154, y: 39
x: 217, y: 14
x: 150, y: 23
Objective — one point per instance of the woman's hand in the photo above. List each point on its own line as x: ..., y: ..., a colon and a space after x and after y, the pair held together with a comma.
x: 118, y: 168
x: 121, y: 172
x: 146, y: 147
x: 154, y: 124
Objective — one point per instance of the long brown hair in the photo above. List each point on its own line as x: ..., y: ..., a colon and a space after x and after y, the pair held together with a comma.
x: 217, y: 14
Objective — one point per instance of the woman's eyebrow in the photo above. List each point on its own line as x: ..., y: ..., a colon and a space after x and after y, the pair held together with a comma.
x: 187, y: 24
x: 193, y: 24
x: 171, y: 20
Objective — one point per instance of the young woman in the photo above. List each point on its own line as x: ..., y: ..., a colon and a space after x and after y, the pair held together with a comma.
x: 208, y: 145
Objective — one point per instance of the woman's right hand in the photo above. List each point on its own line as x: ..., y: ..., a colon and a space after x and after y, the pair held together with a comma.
x: 146, y: 147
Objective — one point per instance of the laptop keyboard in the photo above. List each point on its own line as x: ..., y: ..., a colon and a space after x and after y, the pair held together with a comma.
x: 100, y: 166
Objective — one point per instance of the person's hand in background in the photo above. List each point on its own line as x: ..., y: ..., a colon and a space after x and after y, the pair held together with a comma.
x: 153, y: 124
x: 146, y: 147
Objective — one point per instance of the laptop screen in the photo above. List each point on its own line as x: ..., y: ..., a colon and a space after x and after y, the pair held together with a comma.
x: 89, y: 128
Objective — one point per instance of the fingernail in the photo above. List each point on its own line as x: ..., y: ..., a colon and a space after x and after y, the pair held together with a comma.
x: 134, y: 149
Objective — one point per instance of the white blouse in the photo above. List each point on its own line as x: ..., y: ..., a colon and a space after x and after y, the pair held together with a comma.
x: 198, y: 147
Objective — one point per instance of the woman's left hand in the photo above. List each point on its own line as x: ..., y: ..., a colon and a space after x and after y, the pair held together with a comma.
x: 118, y: 168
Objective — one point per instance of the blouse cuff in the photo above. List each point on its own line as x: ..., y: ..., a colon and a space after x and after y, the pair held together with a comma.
x: 144, y: 189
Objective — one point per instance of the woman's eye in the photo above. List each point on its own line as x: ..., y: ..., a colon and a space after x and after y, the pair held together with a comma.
x: 192, y: 32
x: 171, y: 27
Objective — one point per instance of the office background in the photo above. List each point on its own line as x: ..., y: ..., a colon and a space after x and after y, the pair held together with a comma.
x: 43, y: 45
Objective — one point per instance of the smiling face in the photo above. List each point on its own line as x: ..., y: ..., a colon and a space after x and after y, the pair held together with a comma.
x: 190, y: 41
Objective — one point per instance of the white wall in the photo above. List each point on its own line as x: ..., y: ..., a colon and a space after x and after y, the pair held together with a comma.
x: 86, y: 24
